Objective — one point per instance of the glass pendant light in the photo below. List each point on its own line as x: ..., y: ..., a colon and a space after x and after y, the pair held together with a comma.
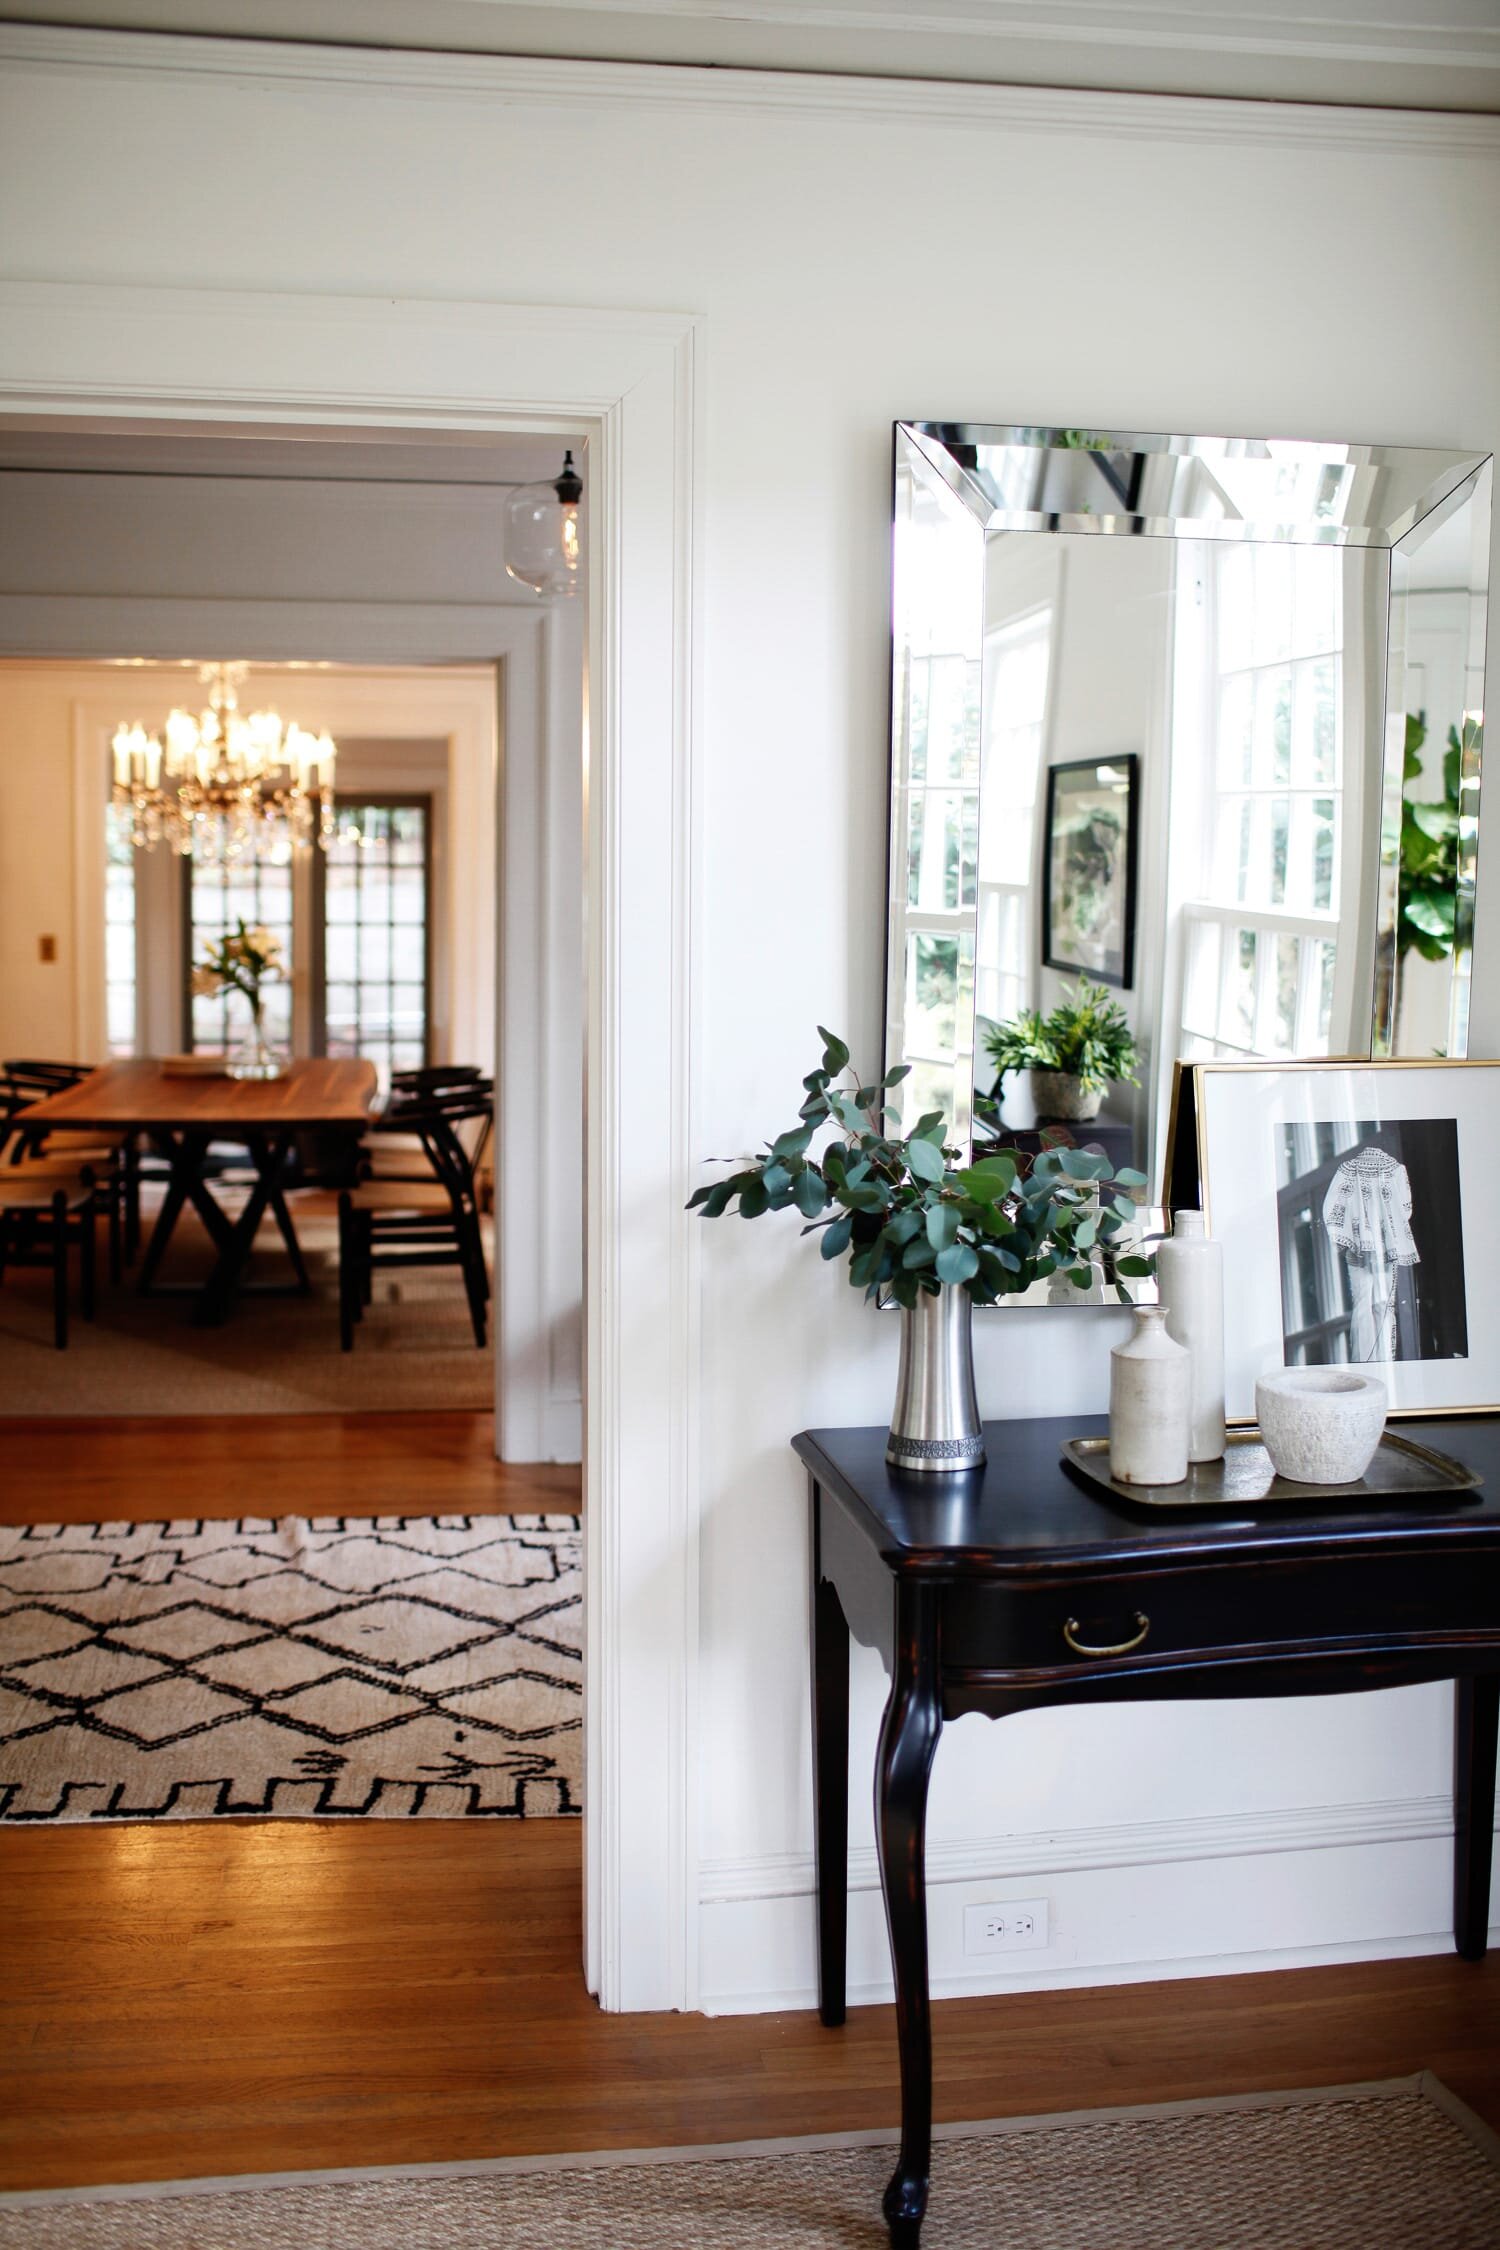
x: 541, y: 533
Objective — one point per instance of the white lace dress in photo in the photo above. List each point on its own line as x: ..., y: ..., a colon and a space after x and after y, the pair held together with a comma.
x: 1367, y: 1213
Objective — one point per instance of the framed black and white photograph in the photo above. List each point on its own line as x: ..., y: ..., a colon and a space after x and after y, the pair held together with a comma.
x: 1357, y: 1204
x: 1088, y: 868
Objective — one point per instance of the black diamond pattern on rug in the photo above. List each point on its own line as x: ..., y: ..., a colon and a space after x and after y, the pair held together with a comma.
x: 394, y: 1667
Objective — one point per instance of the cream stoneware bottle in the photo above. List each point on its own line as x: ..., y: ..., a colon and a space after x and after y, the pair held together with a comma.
x: 1150, y: 1403
x: 1190, y: 1278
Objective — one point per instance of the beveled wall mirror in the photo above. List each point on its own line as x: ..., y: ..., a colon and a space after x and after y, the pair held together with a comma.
x: 1197, y: 718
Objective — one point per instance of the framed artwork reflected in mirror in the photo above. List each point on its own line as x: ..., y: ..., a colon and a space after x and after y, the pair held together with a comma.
x: 1088, y: 869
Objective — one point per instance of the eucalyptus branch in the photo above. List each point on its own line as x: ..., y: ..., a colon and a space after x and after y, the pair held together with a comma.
x: 911, y: 1216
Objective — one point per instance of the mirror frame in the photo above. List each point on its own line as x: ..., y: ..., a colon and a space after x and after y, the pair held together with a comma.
x: 1181, y: 487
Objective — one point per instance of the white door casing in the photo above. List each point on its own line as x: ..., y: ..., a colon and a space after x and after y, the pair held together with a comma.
x: 628, y: 381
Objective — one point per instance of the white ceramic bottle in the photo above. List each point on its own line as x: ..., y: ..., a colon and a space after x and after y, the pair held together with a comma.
x: 1190, y: 1278
x: 1150, y: 1403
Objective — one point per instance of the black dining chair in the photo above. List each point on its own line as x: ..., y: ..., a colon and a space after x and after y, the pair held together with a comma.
x: 392, y: 1148
x: 41, y: 1219
x: 111, y: 1158
x: 429, y: 1218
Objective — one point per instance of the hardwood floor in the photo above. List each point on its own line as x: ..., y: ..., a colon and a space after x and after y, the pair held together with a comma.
x: 311, y: 1464
x: 194, y: 1999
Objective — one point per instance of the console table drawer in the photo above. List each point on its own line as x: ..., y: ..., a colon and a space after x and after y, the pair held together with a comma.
x: 1140, y: 1617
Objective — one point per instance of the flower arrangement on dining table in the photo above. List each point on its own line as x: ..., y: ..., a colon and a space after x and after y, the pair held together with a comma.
x: 242, y: 960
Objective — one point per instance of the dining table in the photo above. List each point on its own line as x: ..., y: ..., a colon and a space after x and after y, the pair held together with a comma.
x: 182, y: 1116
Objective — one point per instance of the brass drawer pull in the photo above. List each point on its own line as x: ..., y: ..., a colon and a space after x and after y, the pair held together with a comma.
x: 1114, y: 1648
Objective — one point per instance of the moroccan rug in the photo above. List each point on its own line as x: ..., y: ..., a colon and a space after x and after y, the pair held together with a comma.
x: 394, y: 1666
x: 1398, y: 2166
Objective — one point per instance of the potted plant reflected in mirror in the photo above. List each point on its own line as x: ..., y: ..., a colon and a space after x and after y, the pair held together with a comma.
x: 920, y: 1225
x: 1073, y: 1055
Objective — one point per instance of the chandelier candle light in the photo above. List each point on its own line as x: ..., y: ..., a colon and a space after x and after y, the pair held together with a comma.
x: 223, y: 782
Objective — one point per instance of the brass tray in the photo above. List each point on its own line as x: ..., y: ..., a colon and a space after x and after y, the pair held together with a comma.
x: 1400, y: 1470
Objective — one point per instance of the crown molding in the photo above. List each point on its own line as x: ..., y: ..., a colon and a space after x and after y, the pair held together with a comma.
x: 1124, y: 23
x: 545, y: 83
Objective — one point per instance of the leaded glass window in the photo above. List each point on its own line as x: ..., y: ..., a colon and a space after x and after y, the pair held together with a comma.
x: 375, y: 884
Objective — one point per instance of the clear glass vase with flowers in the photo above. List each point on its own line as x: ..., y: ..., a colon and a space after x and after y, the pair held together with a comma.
x: 244, y: 960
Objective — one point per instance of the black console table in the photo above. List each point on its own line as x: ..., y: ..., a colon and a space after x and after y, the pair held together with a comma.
x: 1016, y: 1585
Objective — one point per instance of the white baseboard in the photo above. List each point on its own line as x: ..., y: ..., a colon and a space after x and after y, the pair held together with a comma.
x: 562, y: 1429
x: 1217, y: 1896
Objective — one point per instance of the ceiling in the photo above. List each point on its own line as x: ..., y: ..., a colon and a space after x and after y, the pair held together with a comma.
x: 1401, y: 54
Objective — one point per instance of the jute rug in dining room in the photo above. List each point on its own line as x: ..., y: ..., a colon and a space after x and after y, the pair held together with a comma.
x: 274, y: 1355
x: 393, y: 1667
x: 1396, y: 2166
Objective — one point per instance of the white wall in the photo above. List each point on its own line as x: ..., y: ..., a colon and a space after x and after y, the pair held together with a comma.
x: 858, y: 256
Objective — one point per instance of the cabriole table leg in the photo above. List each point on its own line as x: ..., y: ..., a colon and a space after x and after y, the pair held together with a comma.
x: 908, y: 1739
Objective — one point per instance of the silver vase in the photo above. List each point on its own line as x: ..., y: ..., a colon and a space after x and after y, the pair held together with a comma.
x: 936, y: 1423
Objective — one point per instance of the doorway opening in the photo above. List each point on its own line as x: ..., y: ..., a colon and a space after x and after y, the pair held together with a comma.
x: 332, y: 571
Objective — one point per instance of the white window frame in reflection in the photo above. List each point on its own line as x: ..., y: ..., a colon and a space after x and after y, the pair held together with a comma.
x: 1219, y: 911
x: 1017, y: 683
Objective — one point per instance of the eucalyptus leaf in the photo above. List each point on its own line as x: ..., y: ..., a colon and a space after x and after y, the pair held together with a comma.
x: 958, y: 1263
x: 836, y: 1237
x: 809, y: 1193
x: 835, y: 1053
x: 942, y: 1225
x: 924, y: 1161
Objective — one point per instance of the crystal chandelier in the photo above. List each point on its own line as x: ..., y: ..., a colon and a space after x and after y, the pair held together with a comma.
x: 225, y: 787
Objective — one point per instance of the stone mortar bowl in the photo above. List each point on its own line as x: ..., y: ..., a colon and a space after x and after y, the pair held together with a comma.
x: 1321, y: 1425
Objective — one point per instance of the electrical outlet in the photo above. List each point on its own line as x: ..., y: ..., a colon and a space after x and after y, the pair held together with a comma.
x: 1010, y: 1925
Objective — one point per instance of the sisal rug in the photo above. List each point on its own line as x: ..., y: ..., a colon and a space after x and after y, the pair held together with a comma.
x: 274, y: 1355
x: 1398, y: 2166
x: 394, y: 1666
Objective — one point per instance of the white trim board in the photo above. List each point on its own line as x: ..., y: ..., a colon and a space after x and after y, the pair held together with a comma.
x: 956, y: 105
x: 1352, y: 1883
x: 1141, y: 1843
x: 628, y: 381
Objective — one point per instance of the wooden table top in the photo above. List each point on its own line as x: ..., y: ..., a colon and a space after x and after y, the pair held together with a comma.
x: 316, y: 1090
x: 1025, y: 1511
